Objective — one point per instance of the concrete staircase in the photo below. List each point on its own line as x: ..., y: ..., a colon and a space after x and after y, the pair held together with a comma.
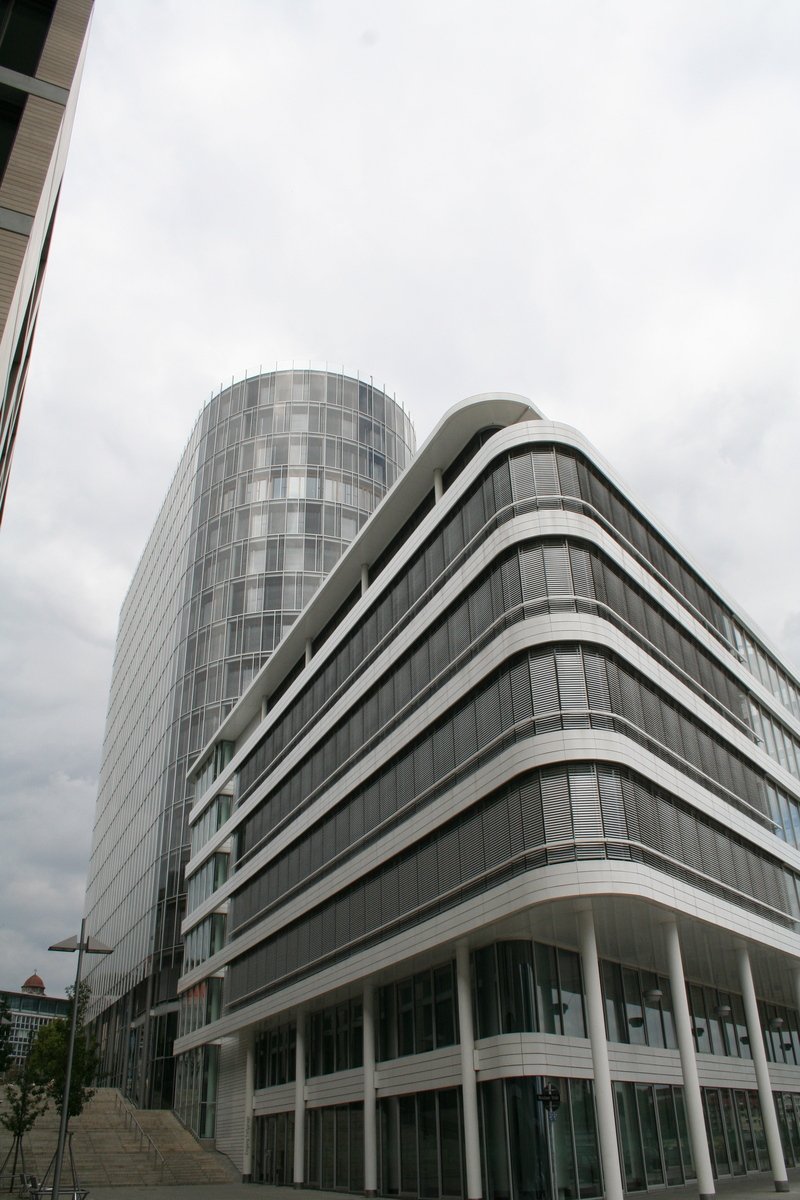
x: 109, y: 1150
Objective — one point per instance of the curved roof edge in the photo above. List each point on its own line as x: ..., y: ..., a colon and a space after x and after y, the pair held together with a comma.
x: 450, y: 436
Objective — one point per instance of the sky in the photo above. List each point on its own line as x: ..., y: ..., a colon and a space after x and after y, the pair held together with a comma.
x: 593, y: 203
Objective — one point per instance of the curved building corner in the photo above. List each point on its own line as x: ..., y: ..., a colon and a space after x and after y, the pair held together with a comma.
x: 494, y: 883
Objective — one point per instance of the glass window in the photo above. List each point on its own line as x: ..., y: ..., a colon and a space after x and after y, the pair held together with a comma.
x: 515, y: 970
x: 732, y: 1132
x: 342, y: 1037
x: 485, y: 975
x: 405, y: 1017
x: 565, y: 1182
x: 445, y: 1006
x: 569, y: 969
x: 745, y: 1130
x: 634, y: 1014
x: 670, y: 1142
x: 387, y: 1039
x: 649, y: 1126
x: 428, y: 1145
x: 628, y: 1126
x: 548, y: 1001
x: 25, y: 29
x: 716, y: 1044
x: 407, y: 1112
x: 526, y: 1139
x: 716, y: 1132
x: 652, y: 995
x: 616, y: 1024
x: 581, y: 1099
x: 697, y: 1009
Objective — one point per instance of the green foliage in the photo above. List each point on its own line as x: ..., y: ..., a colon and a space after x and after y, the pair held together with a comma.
x: 5, y: 1035
x: 47, y: 1060
x: 26, y: 1099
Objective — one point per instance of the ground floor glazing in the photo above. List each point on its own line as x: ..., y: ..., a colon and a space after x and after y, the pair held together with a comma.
x: 526, y: 1153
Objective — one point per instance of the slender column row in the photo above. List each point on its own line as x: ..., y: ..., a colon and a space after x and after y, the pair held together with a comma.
x: 603, y: 1087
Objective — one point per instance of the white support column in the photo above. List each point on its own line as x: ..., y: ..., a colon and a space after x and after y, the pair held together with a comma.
x: 370, y: 1110
x: 756, y: 1036
x: 438, y: 484
x: 249, y: 1084
x: 603, y: 1092
x: 469, y: 1085
x: 300, y: 1100
x: 691, y: 1080
x: 264, y: 707
x: 364, y: 577
x: 309, y: 650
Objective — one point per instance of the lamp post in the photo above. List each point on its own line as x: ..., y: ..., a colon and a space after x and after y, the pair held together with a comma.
x: 84, y: 945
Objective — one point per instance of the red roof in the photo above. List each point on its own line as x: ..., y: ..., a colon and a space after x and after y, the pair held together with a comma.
x: 35, y: 981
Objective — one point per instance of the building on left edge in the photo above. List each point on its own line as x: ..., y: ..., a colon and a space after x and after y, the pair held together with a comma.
x: 29, y: 1009
x: 42, y: 47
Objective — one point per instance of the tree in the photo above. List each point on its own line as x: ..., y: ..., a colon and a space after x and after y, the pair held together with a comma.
x: 26, y: 1100
x: 5, y: 1035
x: 48, y: 1057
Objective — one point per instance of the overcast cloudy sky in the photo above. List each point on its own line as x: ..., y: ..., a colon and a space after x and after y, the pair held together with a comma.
x: 592, y: 202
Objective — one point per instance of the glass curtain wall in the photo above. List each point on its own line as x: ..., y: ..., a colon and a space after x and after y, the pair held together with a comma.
x: 280, y: 473
x: 530, y: 987
x: 528, y: 1156
x: 421, y: 1147
x: 273, y: 1160
x: 335, y: 1148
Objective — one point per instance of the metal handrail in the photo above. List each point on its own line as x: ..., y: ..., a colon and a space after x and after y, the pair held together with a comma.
x: 122, y: 1103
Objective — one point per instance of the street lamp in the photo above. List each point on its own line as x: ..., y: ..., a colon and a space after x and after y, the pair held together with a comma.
x: 84, y: 945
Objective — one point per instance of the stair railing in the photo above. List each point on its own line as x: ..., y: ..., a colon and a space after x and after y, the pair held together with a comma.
x: 145, y: 1141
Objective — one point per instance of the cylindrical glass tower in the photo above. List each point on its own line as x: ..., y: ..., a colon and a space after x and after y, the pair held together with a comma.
x: 279, y: 474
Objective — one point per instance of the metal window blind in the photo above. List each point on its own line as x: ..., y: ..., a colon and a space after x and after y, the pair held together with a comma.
x: 544, y: 470
x: 556, y: 808
x: 587, y: 817
x: 522, y: 480
x: 532, y: 572
x: 557, y: 569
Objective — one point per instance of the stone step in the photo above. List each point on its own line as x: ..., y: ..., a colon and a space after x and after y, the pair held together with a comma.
x: 107, y: 1152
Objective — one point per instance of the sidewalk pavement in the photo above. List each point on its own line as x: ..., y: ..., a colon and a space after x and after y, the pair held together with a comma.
x: 749, y: 1187
x: 214, y: 1191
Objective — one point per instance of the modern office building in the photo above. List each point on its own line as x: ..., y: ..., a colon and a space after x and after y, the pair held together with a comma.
x: 42, y: 46
x: 30, y: 1009
x: 279, y: 474
x: 495, y: 881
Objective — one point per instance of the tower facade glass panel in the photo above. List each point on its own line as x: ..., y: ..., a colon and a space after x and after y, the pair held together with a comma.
x: 280, y: 473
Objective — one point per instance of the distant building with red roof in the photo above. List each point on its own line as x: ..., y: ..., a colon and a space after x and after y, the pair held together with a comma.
x: 30, y: 1009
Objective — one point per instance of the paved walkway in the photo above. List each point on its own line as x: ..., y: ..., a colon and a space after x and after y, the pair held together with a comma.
x: 214, y: 1191
x: 751, y: 1187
